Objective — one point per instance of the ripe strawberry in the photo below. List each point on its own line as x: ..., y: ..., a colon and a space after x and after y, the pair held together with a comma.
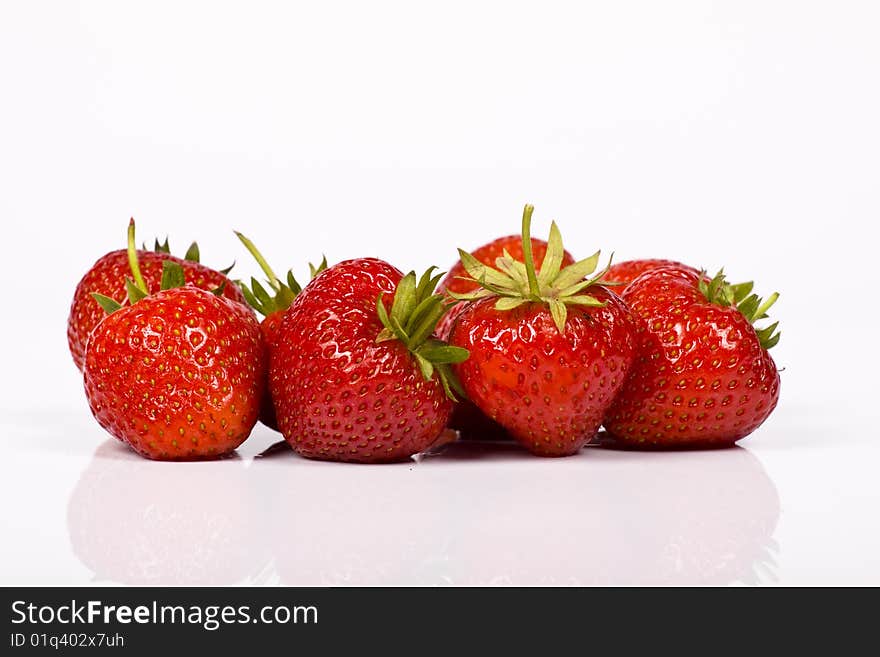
x: 178, y: 374
x: 703, y: 376
x: 107, y: 277
x: 466, y: 418
x: 549, y: 349
x: 625, y: 272
x: 356, y: 378
x: 272, y: 305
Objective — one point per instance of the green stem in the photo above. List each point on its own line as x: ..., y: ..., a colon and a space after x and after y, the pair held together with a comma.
x: 529, y: 259
x: 274, y: 281
x: 133, y: 260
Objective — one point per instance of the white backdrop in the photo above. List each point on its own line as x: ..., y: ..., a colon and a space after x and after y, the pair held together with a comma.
x: 743, y: 134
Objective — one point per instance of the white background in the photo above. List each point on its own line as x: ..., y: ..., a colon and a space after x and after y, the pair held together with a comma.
x: 743, y: 134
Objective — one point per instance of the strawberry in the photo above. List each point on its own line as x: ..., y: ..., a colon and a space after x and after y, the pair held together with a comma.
x: 356, y: 378
x: 703, y: 376
x: 623, y: 273
x: 178, y: 374
x: 272, y: 305
x: 549, y: 349
x: 107, y: 277
x: 466, y: 417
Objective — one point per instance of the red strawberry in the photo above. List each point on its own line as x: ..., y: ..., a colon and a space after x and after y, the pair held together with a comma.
x: 703, y: 376
x: 466, y: 417
x: 107, y: 277
x: 354, y: 378
x: 627, y: 271
x: 178, y: 374
x: 272, y: 305
x: 549, y: 349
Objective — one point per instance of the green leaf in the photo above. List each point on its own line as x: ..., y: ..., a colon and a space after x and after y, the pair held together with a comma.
x: 135, y: 294
x: 404, y: 298
x: 226, y: 271
x: 424, y: 320
x: 425, y: 366
x: 161, y: 248
x: 451, y: 385
x: 423, y: 306
x: 559, y: 313
x: 761, y: 311
x: 480, y: 293
x: 283, y: 298
x: 574, y: 289
x: 385, y: 335
x: 192, y: 253
x: 480, y: 272
x: 439, y: 352
x: 172, y: 275
x: 425, y: 286
x: 109, y: 305
x: 553, y: 258
x: 251, y: 299
x: 314, y: 271
x: 773, y: 341
x: 509, y: 303
x: 765, y: 334
x: 425, y: 328
x: 584, y: 300
x: 392, y: 328
x: 703, y: 286
x: 261, y: 294
x: 577, y: 272
x: 293, y: 284
x: 741, y: 290
x: 748, y: 306
x: 517, y: 273
x: 714, y: 285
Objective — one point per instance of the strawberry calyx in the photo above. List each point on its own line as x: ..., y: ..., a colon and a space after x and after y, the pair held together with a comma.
x: 136, y: 287
x: 192, y: 253
x: 516, y: 283
x: 415, y: 312
x: 282, y: 292
x: 739, y: 295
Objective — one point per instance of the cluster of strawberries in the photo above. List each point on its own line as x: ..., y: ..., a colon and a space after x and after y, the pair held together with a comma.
x: 367, y: 364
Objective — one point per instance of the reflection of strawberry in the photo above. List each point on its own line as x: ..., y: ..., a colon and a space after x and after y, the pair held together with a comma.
x: 139, y: 522
x: 107, y: 277
x: 271, y: 305
x: 608, y: 518
x: 178, y: 374
x: 703, y: 376
x: 355, y: 376
x: 549, y: 347
x: 330, y: 536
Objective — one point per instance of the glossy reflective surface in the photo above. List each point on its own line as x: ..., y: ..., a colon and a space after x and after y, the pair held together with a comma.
x: 82, y: 508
